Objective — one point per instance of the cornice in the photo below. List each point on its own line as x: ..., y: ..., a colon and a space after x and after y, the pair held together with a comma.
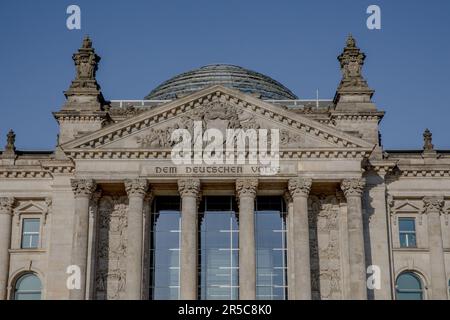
x: 141, y: 154
x: 47, y: 170
x: 24, y: 173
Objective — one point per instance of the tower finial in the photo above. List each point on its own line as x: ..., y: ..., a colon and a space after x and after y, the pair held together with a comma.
x: 10, y: 141
x: 85, y: 87
x: 351, y: 43
x: 353, y: 83
x: 87, y: 42
x: 428, y: 141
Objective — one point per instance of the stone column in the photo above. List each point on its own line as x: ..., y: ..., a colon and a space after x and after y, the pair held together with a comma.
x: 246, y: 193
x: 433, y: 208
x: 83, y: 189
x: 189, y: 191
x: 6, y: 211
x: 136, y: 190
x: 299, y: 189
x: 290, y: 245
x: 353, y: 189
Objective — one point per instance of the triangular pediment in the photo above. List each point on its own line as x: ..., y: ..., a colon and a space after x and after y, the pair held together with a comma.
x: 221, y: 108
x: 407, y: 207
x: 29, y: 207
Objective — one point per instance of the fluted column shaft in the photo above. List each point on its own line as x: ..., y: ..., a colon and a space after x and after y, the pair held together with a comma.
x: 433, y: 207
x: 83, y: 189
x: 246, y: 193
x: 353, y: 189
x: 6, y: 210
x: 189, y: 190
x: 136, y: 190
x: 299, y: 189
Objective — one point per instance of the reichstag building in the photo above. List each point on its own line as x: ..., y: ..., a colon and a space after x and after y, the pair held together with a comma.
x: 108, y: 214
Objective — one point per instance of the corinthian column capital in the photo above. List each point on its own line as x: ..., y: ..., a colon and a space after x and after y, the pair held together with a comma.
x: 299, y: 186
x: 189, y: 187
x: 83, y: 187
x: 246, y: 187
x: 136, y: 187
x: 433, y: 204
x: 6, y: 205
x: 353, y: 187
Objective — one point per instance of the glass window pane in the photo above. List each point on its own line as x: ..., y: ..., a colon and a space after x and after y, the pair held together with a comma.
x: 407, y: 224
x: 28, y: 287
x: 165, y: 249
x: 407, y: 233
x: 30, y: 233
x: 218, y: 249
x: 409, y: 287
x: 270, y: 227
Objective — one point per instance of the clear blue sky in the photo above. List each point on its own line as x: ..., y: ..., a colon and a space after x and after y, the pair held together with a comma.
x: 143, y: 43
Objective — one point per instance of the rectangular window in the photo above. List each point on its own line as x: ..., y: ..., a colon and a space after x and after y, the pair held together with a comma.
x: 165, y: 249
x: 30, y: 233
x: 407, y: 230
x: 271, y: 249
x: 218, y: 249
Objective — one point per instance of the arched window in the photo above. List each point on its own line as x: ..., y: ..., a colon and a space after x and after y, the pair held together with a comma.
x: 28, y: 287
x: 409, y: 287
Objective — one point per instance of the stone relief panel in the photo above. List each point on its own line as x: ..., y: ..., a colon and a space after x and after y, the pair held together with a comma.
x: 111, y: 248
x: 326, y: 273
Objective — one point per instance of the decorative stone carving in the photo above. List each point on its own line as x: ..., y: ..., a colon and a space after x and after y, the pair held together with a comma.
x: 219, y: 114
x: 93, y: 207
x: 127, y: 112
x: 290, y: 138
x: 157, y: 138
x: 10, y: 141
x: 83, y: 187
x: 353, y: 187
x: 246, y: 187
x: 112, y: 247
x: 136, y: 187
x: 189, y: 187
x: 428, y: 141
x: 299, y: 187
x: 287, y: 197
x: 433, y: 204
x: 84, y: 92
x: 352, y: 61
x: 6, y: 205
x: 325, y: 249
x: 86, y: 64
x: 47, y: 209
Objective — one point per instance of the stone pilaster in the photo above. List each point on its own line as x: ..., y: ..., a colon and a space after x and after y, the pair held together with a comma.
x: 6, y: 212
x: 83, y: 190
x: 246, y: 193
x: 353, y: 189
x: 92, y: 244
x: 189, y: 190
x: 433, y: 208
x: 299, y: 189
x: 136, y: 190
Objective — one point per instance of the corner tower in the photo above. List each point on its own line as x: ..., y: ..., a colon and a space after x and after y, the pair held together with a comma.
x: 354, y: 110
x: 84, y: 110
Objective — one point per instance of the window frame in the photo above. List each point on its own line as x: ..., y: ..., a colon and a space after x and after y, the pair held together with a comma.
x: 418, y: 277
x: 23, y: 218
x: 20, y: 278
x: 407, y: 233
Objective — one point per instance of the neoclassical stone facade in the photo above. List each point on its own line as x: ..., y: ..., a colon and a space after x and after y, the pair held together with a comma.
x: 110, y: 201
